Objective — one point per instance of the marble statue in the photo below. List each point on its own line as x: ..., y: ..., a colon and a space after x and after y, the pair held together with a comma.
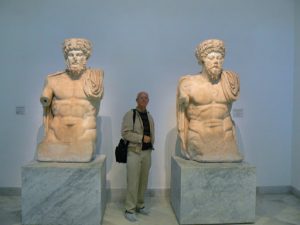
x: 204, y: 101
x: 71, y: 101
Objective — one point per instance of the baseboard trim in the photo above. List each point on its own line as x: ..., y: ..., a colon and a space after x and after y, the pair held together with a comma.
x: 295, y: 192
x: 10, y: 191
x: 120, y: 194
x: 274, y: 189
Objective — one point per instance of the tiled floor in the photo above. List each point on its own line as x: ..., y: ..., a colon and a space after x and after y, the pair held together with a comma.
x: 271, y: 209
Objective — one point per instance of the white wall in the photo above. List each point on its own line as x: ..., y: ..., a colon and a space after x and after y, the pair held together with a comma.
x: 149, y: 45
x: 296, y: 118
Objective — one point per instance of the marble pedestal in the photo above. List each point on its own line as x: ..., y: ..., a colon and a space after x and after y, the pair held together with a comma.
x: 212, y: 193
x: 64, y: 193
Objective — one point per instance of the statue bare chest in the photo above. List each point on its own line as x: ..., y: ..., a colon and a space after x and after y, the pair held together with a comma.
x: 203, y: 93
x: 66, y: 88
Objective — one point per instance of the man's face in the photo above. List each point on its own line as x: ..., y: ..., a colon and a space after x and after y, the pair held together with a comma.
x: 142, y: 101
x: 76, y: 60
x: 213, y: 64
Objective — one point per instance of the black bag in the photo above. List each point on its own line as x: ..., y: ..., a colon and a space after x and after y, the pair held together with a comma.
x: 121, y: 149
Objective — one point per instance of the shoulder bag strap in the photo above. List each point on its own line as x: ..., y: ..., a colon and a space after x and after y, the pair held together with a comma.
x: 133, y: 117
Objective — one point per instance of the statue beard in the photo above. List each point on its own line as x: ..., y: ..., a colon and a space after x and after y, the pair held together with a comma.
x: 76, y: 70
x: 214, y: 74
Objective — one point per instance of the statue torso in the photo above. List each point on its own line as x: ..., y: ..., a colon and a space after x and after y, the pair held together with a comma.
x: 74, y: 113
x: 206, y: 101
x: 69, y: 98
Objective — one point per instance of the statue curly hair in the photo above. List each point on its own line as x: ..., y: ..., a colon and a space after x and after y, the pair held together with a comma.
x: 208, y: 46
x: 77, y: 44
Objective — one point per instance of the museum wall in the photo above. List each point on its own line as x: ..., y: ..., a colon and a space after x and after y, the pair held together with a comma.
x: 296, y: 119
x: 149, y: 45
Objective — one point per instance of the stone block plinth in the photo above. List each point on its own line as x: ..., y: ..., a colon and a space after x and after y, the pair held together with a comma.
x: 212, y: 193
x: 64, y: 193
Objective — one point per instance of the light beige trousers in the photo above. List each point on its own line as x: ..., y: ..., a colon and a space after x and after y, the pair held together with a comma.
x: 138, y: 167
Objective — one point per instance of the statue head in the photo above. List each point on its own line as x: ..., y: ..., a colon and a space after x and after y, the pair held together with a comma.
x: 76, y: 53
x: 210, y: 55
x: 208, y: 46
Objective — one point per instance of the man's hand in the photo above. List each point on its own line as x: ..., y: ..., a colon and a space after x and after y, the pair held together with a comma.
x: 146, y: 139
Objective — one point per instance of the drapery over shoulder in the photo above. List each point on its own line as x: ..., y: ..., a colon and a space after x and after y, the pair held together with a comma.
x: 93, y: 86
x: 93, y: 83
x: 230, y: 85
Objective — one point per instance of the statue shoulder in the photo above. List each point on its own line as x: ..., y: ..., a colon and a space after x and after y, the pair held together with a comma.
x: 188, y: 80
x: 51, y: 78
x: 232, y: 78
x: 97, y: 72
x: 93, y: 83
x: 231, y: 85
x: 231, y: 75
x: 185, y: 78
x: 55, y: 74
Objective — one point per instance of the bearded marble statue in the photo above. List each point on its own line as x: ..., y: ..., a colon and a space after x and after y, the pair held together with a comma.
x: 71, y: 100
x: 204, y: 101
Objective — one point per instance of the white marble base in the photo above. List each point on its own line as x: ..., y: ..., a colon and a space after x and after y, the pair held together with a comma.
x: 64, y: 193
x: 212, y: 193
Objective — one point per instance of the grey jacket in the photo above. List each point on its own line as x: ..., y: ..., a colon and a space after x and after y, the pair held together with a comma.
x: 135, y: 135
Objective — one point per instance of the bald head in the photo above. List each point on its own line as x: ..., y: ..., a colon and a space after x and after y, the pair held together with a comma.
x: 142, y: 100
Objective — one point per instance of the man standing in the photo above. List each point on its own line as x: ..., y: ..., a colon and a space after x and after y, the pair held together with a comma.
x: 138, y: 129
x: 204, y: 101
x: 71, y: 101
